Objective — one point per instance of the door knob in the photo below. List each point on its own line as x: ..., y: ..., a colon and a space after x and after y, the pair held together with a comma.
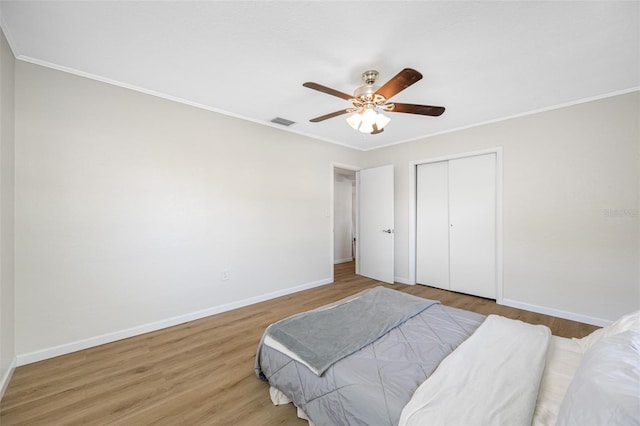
x: 388, y: 231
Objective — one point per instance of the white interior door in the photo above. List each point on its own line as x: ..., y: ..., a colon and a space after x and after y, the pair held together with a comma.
x: 376, y: 237
x: 432, y: 226
x: 472, y: 231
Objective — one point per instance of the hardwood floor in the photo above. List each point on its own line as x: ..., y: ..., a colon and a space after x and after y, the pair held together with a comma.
x: 199, y: 373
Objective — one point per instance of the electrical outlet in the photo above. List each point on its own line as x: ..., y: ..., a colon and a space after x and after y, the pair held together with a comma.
x: 226, y: 275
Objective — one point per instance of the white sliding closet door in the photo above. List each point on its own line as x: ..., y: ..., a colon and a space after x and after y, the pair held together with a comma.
x: 432, y: 226
x: 472, y: 231
x: 456, y: 225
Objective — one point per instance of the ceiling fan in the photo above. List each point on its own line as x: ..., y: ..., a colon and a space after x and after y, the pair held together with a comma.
x: 367, y: 100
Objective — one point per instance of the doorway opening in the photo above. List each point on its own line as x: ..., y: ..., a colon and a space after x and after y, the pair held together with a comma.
x: 344, y: 271
x: 367, y: 235
x: 344, y: 215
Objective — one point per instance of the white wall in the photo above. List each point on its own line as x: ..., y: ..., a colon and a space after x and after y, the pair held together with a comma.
x: 570, y: 204
x: 7, y: 144
x: 129, y: 208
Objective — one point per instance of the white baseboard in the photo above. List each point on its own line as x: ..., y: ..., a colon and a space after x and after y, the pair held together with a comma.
x: 556, y: 313
x: 345, y: 260
x: 79, y: 345
x: 6, y: 377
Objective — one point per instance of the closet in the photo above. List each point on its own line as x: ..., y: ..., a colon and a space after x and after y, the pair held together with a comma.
x: 456, y: 225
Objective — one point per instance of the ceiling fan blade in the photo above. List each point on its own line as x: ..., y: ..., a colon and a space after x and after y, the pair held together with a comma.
x: 327, y: 90
x: 331, y: 115
x: 434, y: 111
x: 401, y: 81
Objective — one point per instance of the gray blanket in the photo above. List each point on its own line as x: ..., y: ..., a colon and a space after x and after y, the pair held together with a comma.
x: 322, y: 337
x: 372, y: 385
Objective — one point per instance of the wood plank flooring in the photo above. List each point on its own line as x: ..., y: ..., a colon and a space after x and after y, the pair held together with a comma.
x: 199, y: 373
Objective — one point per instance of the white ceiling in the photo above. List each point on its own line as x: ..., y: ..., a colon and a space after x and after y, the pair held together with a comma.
x: 482, y: 60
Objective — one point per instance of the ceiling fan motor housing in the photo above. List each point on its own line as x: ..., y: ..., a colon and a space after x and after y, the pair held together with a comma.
x: 367, y: 91
x: 364, y: 92
x: 369, y: 77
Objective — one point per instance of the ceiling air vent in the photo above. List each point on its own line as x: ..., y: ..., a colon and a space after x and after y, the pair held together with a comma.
x: 283, y: 121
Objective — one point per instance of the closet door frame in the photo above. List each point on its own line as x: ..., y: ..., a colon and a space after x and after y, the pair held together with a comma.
x: 412, y: 212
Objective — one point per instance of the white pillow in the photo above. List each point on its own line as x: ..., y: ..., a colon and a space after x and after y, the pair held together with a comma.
x: 627, y: 322
x: 606, y: 387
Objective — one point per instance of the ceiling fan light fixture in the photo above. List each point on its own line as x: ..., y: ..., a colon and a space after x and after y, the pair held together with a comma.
x: 366, y: 128
x: 369, y: 118
x: 381, y: 121
x: 365, y: 118
x: 355, y: 120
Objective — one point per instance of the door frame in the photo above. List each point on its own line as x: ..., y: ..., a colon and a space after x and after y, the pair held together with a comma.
x: 412, y: 211
x: 356, y: 169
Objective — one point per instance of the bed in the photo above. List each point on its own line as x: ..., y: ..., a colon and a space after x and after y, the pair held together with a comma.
x: 384, y: 357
